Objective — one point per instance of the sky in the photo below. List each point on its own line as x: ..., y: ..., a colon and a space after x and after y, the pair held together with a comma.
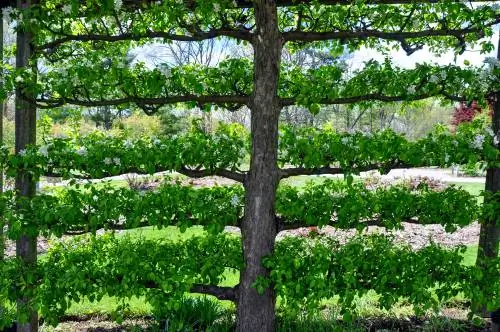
x: 401, y: 59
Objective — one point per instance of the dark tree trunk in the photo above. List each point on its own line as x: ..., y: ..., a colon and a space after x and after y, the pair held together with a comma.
x: 256, y: 312
x: 489, y: 235
x: 25, y: 185
x: 2, y: 105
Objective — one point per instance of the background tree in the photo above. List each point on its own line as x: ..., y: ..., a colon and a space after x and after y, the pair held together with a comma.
x: 265, y: 85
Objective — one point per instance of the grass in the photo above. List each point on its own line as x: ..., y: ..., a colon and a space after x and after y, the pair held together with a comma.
x: 472, y: 187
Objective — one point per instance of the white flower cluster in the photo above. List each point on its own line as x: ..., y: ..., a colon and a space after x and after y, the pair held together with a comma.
x: 235, y: 200
x: 8, y: 13
x: 494, y: 62
x: 109, y: 161
x: 128, y: 144
x: 82, y: 151
x: 118, y: 5
x: 44, y: 150
x: 434, y: 79
x: 345, y: 140
x: 478, y: 141
x: 67, y: 9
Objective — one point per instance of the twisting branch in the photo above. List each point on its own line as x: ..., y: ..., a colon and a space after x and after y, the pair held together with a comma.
x: 195, y: 173
x: 196, y: 36
x: 373, y: 97
x: 288, y: 172
x: 290, y: 3
x: 284, y: 225
x: 192, y: 173
x: 147, y: 103
x: 221, y: 293
x: 303, y: 36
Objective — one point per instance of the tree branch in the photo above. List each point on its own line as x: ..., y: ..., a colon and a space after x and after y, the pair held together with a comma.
x: 291, y: 3
x: 385, y: 168
x: 373, y: 97
x: 236, y: 176
x: 46, y: 103
x: 132, y: 4
x: 221, y: 293
x: 194, y: 173
x: 363, y: 34
x: 283, y: 225
x: 197, y: 36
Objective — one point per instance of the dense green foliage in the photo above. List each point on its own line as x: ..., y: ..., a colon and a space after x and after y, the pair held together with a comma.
x: 304, y: 272
x: 98, y: 155
x: 89, y: 209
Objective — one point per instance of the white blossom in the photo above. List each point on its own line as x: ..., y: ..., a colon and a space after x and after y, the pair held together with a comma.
x: 434, y: 79
x: 67, y: 9
x: 496, y: 140
x: 216, y: 7
x: 6, y: 13
x: 22, y: 152
x: 235, y: 200
x: 108, y: 161
x: 19, y: 79
x: 345, y: 140
x: 492, y: 61
x: 412, y: 89
x: 128, y: 144
x: 88, y: 208
x: 82, y: 151
x: 368, y: 134
x: 490, y: 132
x: 44, y: 150
x: 117, y: 161
x: 478, y: 142
x: 95, y: 198
x: 122, y: 219
x: 156, y: 141
x: 118, y: 4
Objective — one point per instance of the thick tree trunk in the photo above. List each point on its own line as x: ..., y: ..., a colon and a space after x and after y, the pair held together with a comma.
x: 489, y: 235
x: 256, y: 312
x: 2, y: 105
x: 25, y: 185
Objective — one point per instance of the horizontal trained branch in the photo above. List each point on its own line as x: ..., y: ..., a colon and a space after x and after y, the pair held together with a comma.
x: 198, y: 36
x: 220, y: 292
x: 143, y: 102
x: 195, y: 173
x: 284, y: 225
x: 282, y: 3
x: 373, y: 97
x: 298, y: 171
x: 310, y: 36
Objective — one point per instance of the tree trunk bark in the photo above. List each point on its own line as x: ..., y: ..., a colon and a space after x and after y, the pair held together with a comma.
x: 2, y: 105
x: 489, y: 235
x: 25, y: 118
x: 256, y: 312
